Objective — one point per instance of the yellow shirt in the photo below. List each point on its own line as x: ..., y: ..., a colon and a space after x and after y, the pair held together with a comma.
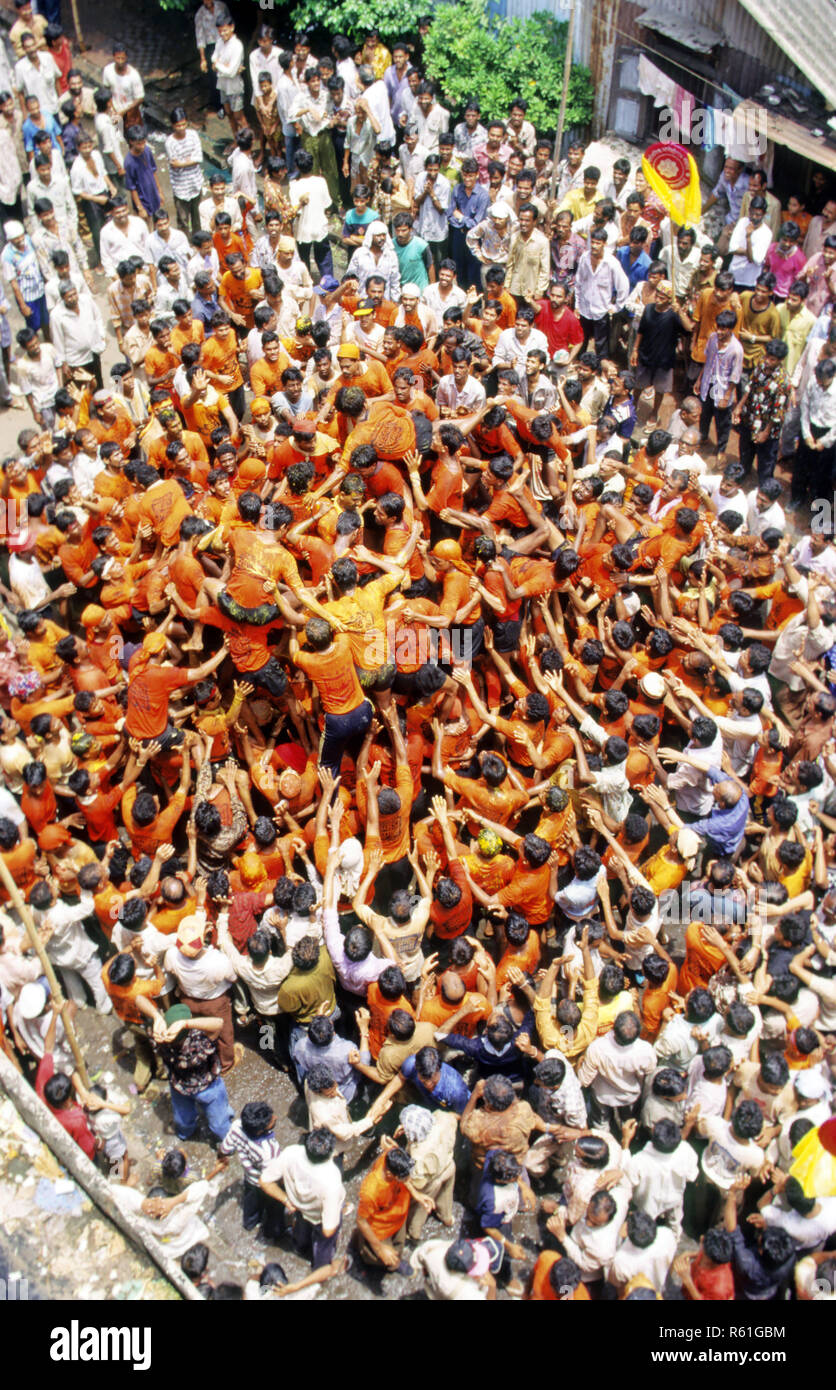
x: 578, y: 204
x: 570, y: 1043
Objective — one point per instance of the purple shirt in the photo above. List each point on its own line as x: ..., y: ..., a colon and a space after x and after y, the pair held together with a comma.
x: 396, y: 89
x: 139, y: 176
x: 353, y: 975
x: 723, y: 368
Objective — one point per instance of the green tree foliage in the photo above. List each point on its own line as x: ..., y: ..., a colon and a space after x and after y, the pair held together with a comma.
x: 471, y: 54
x: 392, y: 18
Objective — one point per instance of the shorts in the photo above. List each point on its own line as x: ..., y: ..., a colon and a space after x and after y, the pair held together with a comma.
x: 661, y: 379
x: 506, y: 634
x: 381, y: 679
x: 271, y: 678
x: 170, y: 737
x: 232, y: 92
x: 115, y: 1149
x: 258, y: 617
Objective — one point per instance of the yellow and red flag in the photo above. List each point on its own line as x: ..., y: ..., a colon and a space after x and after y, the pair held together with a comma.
x: 673, y: 176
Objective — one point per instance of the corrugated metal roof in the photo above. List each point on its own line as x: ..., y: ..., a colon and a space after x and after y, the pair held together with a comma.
x: 795, y: 136
x: 805, y: 34
x: 682, y: 28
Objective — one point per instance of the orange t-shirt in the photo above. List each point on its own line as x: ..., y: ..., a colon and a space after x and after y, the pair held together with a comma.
x: 528, y: 893
x: 146, y: 714
x: 379, y: 1011
x: 146, y: 839
x: 541, y: 1287
x: 334, y: 676
x: 527, y: 958
x: 654, y: 1002
x: 266, y: 377
x: 383, y: 1201
x: 220, y: 356
x: 20, y: 862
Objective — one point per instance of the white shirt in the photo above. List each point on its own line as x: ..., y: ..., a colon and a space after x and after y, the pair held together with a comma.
x: 227, y: 60
x: 726, y: 1156
x: 653, y: 1261
x: 757, y: 521
x: 176, y: 246
x: 40, y: 80
x: 797, y: 639
x: 126, y: 87
x: 744, y: 271
x: 616, y: 1073
x: 69, y: 945
x: 260, y: 63
x: 117, y: 244
x: 77, y: 336
x: 208, y: 208
x: 243, y: 176
x: 315, y: 1189
x: 658, y: 1179
x: 435, y: 123
x: 377, y: 100
x: 692, y: 790
x: 444, y: 1285
x: 206, y: 976
x: 510, y: 352
x: 39, y: 378
x: 431, y: 296
x: 471, y: 396
x: 84, y: 183
x: 312, y: 224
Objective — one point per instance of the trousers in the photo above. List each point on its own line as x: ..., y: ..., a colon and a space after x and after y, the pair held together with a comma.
x: 343, y: 733
x: 213, y: 1101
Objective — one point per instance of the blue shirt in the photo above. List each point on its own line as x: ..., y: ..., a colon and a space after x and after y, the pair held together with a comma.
x: 450, y: 1092
x: 29, y: 130
x: 473, y: 207
x: 139, y: 178
x: 306, y: 1054
x: 725, y: 825
x: 639, y: 268
x: 204, y: 309
x: 507, y: 1062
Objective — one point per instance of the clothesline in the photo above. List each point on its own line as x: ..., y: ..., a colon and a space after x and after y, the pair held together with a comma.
x: 665, y: 59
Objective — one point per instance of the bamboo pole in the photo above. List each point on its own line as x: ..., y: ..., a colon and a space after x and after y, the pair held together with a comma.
x: 39, y: 1118
x: 31, y: 931
x: 82, y: 46
x: 567, y: 69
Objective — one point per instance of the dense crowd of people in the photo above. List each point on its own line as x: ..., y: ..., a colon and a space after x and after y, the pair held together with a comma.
x: 383, y: 680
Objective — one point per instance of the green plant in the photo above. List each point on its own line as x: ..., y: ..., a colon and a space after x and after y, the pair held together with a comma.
x: 472, y: 54
x: 393, y: 19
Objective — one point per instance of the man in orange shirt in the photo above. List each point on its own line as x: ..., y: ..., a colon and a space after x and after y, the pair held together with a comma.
x: 240, y: 290
x: 149, y: 685
x: 148, y: 826
x: 329, y: 663
x: 220, y: 362
x: 383, y: 1208
x: 161, y: 505
x: 161, y: 361
x: 173, y: 427
x: 266, y: 373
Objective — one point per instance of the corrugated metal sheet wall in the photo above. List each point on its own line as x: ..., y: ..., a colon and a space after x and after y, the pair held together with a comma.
x: 749, y: 58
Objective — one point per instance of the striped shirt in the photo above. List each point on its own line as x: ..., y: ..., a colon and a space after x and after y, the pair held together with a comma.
x: 185, y: 183
x: 23, y: 267
x: 254, y: 1154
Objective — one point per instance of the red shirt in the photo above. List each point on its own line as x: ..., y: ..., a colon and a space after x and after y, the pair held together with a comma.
x: 561, y: 334
x: 73, y: 1120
